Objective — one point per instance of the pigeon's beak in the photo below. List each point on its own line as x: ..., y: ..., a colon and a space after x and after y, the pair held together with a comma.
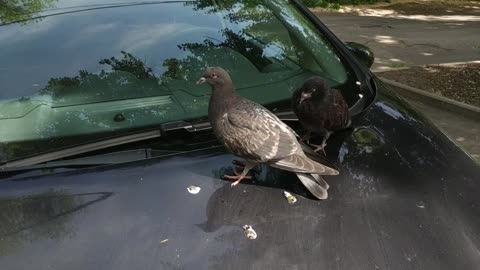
x: 303, y: 97
x: 202, y: 80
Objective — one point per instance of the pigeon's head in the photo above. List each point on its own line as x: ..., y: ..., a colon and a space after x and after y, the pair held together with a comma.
x: 314, y: 87
x: 215, y: 77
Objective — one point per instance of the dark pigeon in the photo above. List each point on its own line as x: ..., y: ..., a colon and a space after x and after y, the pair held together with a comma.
x: 320, y: 109
x: 252, y: 132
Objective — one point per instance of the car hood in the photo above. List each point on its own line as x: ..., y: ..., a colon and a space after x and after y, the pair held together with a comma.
x: 406, y: 198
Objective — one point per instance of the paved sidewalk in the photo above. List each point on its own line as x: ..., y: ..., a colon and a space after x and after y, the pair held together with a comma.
x: 405, y: 42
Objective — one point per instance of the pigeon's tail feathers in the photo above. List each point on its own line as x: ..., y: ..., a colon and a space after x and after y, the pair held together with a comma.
x: 302, y: 164
x: 317, y: 157
x: 310, y: 182
x: 321, y: 181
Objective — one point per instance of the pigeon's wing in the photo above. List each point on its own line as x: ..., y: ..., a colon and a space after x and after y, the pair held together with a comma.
x: 340, y: 114
x: 253, y: 132
x: 300, y: 163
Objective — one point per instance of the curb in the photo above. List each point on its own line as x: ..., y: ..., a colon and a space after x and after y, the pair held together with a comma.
x: 454, y: 106
x: 388, y: 69
x: 450, y: 64
x: 456, y: 63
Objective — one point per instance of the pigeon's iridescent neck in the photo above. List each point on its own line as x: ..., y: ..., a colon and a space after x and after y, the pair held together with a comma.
x: 221, y: 100
x: 226, y: 89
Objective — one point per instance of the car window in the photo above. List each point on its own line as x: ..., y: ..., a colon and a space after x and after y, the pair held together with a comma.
x: 85, y: 72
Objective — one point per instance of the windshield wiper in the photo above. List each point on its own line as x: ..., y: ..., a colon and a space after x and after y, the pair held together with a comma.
x: 21, y: 164
x: 102, y: 159
x: 104, y: 143
x: 165, y: 128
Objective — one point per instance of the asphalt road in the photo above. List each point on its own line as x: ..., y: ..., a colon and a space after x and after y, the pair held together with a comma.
x: 405, y: 42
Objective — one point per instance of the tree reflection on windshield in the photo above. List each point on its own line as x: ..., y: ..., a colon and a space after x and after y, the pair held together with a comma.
x: 201, y: 55
x: 131, y: 64
x: 264, y: 46
x: 22, y: 10
x: 127, y: 70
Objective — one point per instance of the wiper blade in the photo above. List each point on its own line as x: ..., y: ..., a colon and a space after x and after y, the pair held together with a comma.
x: 80, y: 149
x: 119, y: 140
x: 195, y: 127
x: 103, y: 159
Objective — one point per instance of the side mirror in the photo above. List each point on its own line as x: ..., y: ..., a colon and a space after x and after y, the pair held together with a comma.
x: 362, y: 53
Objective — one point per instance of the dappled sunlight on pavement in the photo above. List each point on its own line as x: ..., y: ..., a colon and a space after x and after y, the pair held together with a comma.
x: 387, y: 13
x: 398, y: 43
x: 386, y: 39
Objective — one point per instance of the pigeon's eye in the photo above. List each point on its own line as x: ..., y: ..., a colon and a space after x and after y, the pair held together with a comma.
x: 214, y: 76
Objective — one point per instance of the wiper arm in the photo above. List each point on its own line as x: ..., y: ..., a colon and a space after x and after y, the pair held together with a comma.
x: 104, y: 143
x: 119, y: 140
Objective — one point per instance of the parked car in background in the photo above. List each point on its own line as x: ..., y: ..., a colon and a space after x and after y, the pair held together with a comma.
x: 108, y: 160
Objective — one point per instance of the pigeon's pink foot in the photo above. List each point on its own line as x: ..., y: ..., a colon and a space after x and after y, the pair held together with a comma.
x: 238, y: 178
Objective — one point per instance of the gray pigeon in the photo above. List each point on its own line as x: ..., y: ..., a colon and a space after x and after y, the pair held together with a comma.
x: 320, y: 109
x: 252, y: 132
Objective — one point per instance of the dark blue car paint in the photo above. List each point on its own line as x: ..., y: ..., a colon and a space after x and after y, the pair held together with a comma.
x: 406, y: 198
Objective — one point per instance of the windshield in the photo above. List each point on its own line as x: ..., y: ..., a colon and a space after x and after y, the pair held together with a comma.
x: 78, y: 74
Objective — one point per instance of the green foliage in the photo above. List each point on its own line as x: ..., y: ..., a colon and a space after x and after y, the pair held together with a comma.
x: 131, y: 64
x: 126, y: 69
x: 20, y: 10
x: 336, y: 4
x: 315, y: 3
x: 249, y: 12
